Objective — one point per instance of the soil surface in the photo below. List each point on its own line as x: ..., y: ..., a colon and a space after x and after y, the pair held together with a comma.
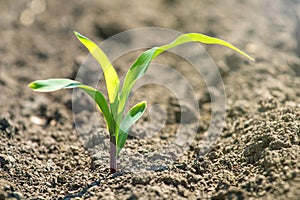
x: 257, y: 155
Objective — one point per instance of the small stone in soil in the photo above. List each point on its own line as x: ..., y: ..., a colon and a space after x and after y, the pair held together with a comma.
x: 38, y: 121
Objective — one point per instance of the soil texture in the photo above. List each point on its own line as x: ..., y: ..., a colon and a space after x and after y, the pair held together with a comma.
x: 256, y: 156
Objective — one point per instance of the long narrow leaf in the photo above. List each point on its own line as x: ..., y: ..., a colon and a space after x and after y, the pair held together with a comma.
x: 197, y: 37
x: 110, y: 74
x: 50, y: 85
x: 141, y: 64
x: 134, y: 114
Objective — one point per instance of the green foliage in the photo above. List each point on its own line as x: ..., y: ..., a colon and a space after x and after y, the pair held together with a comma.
x: 131, y: 117
x: 113, y: 111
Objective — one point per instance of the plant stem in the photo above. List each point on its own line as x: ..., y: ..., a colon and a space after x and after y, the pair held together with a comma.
x: 113, y: 151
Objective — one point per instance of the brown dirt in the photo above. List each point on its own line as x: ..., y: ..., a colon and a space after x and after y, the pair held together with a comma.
x: 257, y: 155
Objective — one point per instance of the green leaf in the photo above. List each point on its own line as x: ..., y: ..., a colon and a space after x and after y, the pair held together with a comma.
x: 134, y: 114
x: 197, y: 37
x: 141, y: 64
x: 50, y: 85
x: 110, y: 74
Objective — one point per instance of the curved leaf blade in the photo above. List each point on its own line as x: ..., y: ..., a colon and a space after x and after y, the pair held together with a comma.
x: 101, y: 103
x: 197, y: 37
x: 137, y: 70
x: 51, y: 85
x: 134, y: 114
x: 141, y: 64
x: 110, y: 74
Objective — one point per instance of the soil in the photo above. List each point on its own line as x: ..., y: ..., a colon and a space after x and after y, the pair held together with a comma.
x: 256, y: 156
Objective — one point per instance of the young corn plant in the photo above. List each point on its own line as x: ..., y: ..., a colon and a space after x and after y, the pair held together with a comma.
x: 118, y: 123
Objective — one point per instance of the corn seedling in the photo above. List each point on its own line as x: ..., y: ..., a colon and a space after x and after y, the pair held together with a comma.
x: 117, y: 123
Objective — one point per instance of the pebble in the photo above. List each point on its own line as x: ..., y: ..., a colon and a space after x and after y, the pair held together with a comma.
x: 37, y: 120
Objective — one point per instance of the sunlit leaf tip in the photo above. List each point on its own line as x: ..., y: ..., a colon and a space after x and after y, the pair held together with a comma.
x: 198, y: 37
x: 78, y: 35
x: 32, y: 85
x: 110, y: 74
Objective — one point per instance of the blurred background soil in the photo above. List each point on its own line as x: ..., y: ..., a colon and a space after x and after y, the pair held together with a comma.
x: 257, y: 155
